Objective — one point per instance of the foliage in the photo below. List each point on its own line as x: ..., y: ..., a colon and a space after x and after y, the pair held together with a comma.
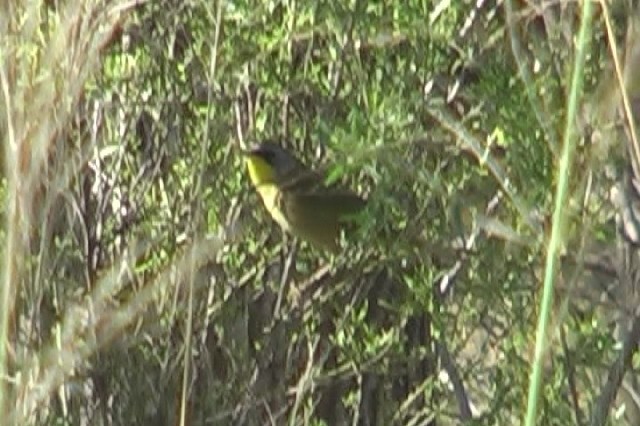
x: 145, y: 282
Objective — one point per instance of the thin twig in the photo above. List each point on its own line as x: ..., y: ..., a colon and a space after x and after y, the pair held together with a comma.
x: 456, y: 380
x: 571, y: 379
x: 621, y: 83
x: 616, y: 373
x: 559, y: 214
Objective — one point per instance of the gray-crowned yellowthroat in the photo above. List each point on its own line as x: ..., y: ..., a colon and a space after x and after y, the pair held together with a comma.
x: 297, y: 198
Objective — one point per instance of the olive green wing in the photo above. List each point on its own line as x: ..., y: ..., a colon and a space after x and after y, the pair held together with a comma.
x: 319, y: 216
x: 301, y: 181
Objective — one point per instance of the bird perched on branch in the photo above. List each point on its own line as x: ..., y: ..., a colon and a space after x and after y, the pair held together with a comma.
x: 297, y: 197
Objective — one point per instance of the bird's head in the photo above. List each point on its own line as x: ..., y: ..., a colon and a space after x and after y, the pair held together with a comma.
x: 270, y: 163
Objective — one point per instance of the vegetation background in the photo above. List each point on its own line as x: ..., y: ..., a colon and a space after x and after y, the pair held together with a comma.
x: 145, y: 284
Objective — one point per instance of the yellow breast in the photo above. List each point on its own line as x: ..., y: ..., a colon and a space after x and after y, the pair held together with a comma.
x: 271, y: 197
x: 263, y: 178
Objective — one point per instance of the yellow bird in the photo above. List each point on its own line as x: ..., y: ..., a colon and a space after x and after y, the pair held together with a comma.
x: 297, y: 198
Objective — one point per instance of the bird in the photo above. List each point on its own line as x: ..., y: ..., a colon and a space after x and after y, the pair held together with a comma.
x: 297, y: 197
